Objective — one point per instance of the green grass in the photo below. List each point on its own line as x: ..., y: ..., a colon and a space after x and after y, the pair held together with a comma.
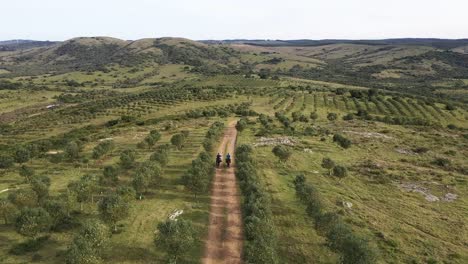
x: 403, y: 225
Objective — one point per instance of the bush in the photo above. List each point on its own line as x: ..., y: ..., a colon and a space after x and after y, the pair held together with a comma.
x: 282, y: 152
x: 348, y: 117
x: 6, y: 162
x: 332, y: 116
x: 241, y: 124
x: 442, y: 162
x: 340, y: 171
x: 342, y: 141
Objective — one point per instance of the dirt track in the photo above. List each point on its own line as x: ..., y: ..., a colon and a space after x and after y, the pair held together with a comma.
x: 224, y: 241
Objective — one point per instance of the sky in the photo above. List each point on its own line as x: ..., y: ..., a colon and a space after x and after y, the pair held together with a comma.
x: 233, y: 19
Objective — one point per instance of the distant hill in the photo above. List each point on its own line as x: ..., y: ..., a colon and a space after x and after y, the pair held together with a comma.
x: 431, y: 42
x: 20, y: 44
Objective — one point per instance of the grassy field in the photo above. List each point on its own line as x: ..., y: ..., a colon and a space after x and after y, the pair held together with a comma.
x: 406, y: 183
x: 405, y: 226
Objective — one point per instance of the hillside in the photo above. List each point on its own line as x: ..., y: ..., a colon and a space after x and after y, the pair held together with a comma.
x: 418, y: 66
x: 342, y: 152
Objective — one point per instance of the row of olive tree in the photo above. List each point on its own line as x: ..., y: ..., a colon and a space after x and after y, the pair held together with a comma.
x: 340, y: 236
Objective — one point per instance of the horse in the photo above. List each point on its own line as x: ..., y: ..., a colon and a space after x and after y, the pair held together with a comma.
x: 228, y: 163
x: 218, y: 162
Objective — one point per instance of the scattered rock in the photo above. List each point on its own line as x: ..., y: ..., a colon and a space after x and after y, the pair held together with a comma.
x: 405, y: 151
x: 432, y: 198
x: 306, y: 150
x: 369, y: 134
x: 449, y: 197
x: 413, y: 187
x: 173, y: 216
x: 263, y: 141
x: 105, y: 139
x: 347, y: 204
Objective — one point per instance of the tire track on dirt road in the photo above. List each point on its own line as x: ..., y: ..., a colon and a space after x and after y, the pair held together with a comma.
x: 225, y: 236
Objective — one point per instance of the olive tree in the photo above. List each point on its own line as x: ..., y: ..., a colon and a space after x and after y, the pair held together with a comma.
x: 32, y: 221
x: 113, y: 209
x: 175, y: 237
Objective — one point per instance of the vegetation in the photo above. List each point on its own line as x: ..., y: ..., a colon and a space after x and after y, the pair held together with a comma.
x: 101, y: 140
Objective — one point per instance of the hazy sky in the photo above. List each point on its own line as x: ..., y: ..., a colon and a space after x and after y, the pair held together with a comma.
x: 227, y: 19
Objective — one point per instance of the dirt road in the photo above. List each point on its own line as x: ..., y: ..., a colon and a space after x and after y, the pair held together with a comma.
x: 224, y: 241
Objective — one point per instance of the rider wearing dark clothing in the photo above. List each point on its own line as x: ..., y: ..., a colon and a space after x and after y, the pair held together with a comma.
x: 218, y: 157
x: 228, y: 160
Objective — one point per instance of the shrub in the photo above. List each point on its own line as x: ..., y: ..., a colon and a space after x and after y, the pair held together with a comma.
x: 342, y: 141
x: 127, y: 159
x: 332, y: 116
x: 241, y: 124
x: 348, y: 117
x: 442, y: 162
x: 6, y: 162
x: 340, y: 171
x: 282, y: 152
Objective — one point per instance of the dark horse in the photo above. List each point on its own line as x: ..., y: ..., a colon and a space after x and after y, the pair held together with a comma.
x: 228, y: 162
x: 218, y: 161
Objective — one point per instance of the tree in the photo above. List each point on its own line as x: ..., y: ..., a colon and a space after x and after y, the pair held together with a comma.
x: 102, y: 148
x: 328, y: 164
x: 314, y: 116
x: 32, y: 221
x: 26, y: 172
x: 7, y: 210
x: 152, y: 138
x: 87, y: 244
x: 72, y: 151
x: 197, y: 177
x: 178, y: 140
x: 127, y: 193
x: 151, y: 171
x: 332, y: 116
x: 175, y: 237
x: 84, y: 189
x: 111, y: 173
x: 140, y: 183
x: 127, y: 159
x: 58, y: 212
x: 113, y: 209
x: 282, y: 152
x: 340, y: 171
x: 6, y: 162
x: 40, y: 185
x: 241, y: 124
x: 22, y: 155
x: 161, y: 155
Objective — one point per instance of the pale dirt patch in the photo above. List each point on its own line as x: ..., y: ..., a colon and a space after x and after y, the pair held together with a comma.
x: 369, y: 134
x: 264, y: 141
x: 54, y: 152
x: 413, y: 187
x: 405, y: 151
